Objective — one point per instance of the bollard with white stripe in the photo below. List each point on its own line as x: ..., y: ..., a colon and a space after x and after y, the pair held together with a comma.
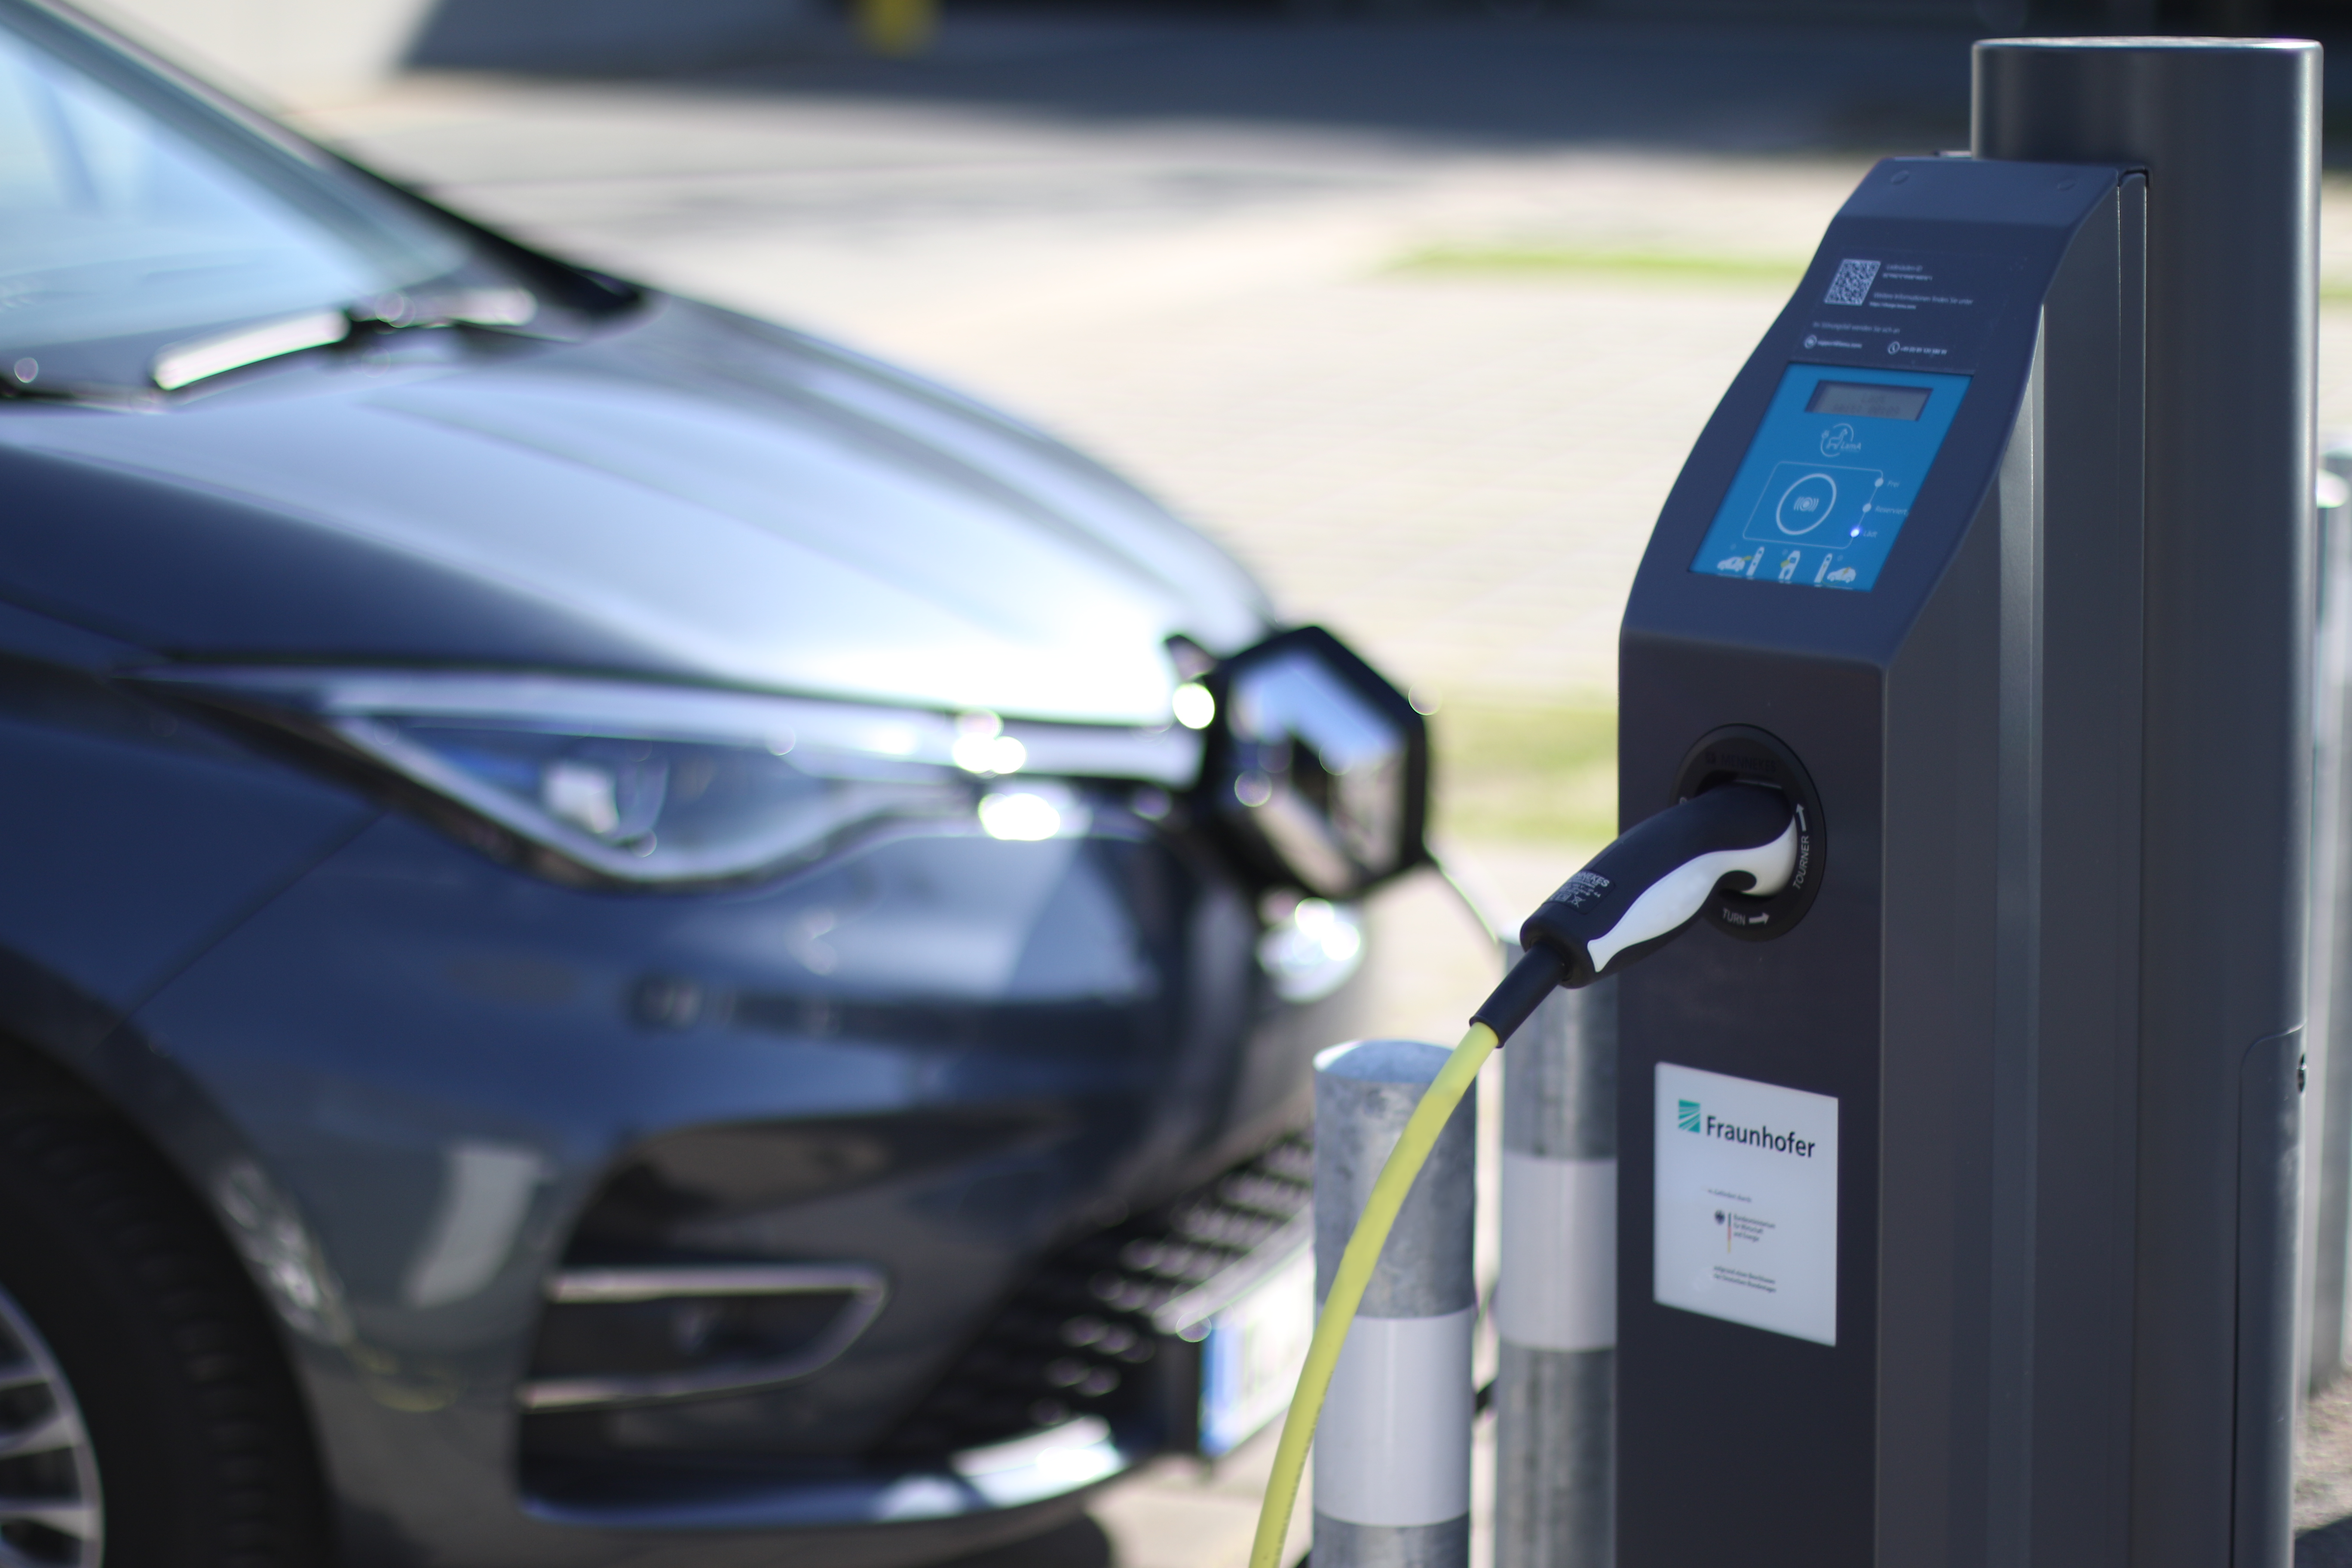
x: 1556, y: 1303
x: 1392, y: 1454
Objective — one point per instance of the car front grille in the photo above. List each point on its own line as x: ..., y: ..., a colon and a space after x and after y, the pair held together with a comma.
x: 1106, y: 1327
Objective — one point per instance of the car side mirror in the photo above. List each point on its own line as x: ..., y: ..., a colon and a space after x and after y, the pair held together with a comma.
x: 1317, y: 768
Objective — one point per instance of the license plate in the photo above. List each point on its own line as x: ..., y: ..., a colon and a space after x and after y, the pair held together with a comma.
x: 1251, y: 1356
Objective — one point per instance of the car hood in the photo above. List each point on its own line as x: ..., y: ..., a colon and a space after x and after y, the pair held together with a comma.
x: 695, y: 497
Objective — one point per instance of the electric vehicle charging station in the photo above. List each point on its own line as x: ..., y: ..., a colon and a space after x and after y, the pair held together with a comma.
x: 1957, y: 1217
x: 1964, y: 695
x: 1857, y: 591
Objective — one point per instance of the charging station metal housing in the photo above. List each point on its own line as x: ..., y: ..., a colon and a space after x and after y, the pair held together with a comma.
x: 2056, y: 717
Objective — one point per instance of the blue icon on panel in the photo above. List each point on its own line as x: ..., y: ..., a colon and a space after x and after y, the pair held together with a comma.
x: 1799, y: 498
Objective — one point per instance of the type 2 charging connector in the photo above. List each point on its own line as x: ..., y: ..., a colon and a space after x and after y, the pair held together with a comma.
x: 1740, y: 838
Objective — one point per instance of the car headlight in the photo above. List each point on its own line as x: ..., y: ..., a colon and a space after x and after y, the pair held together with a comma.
x: 626, y: 781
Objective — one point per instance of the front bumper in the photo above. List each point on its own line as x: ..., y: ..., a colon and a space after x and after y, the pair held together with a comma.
x: 1094, y: 1363
x: 953, y: 1060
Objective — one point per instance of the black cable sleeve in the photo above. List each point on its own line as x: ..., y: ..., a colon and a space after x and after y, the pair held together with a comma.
x: 1534, y: 977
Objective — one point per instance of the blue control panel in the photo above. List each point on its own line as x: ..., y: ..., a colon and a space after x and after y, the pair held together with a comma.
x: 1828, y: 481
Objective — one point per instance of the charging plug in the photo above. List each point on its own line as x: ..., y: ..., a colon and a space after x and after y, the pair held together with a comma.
x: 1636, y: 895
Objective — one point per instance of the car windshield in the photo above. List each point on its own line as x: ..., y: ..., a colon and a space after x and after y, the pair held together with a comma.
x: 132, y: 210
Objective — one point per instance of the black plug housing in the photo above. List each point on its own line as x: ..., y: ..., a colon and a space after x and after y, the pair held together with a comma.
x: 1639, y: 893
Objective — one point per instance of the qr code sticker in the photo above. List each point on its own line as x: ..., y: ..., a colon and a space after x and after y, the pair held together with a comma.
x: 1852, y: 284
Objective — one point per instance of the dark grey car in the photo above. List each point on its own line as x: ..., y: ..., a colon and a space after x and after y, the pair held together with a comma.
x: 624, y: 936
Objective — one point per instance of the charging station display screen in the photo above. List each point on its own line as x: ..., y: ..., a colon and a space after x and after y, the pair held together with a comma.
x: 1828, y: 481
x: 1867, y: 400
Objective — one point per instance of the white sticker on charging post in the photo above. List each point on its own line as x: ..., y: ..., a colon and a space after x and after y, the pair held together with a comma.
x: 1747, y: 1203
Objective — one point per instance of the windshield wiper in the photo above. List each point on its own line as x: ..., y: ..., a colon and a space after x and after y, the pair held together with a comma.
x: 198, y: 359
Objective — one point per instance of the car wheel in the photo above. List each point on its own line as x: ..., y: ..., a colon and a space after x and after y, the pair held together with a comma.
x: 147, y: 1417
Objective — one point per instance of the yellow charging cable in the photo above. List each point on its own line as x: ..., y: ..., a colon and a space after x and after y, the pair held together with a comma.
x: 1725, y: 829
x: 1355, y: 1275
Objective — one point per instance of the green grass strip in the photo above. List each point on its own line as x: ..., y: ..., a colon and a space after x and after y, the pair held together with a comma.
x: 1657, y: 266
x: 1544, y: 773
x: 1541, y: 261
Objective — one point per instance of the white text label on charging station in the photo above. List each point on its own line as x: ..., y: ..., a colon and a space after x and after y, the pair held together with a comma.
x: 1745, y: 1209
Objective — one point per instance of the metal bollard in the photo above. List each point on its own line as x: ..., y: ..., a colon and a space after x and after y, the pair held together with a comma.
x: 2328, y: 1101
x: 1392, y: 1454
x: 1556, y: 1305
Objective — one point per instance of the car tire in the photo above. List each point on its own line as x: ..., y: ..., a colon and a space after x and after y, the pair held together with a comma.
x: 143, y: 1376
